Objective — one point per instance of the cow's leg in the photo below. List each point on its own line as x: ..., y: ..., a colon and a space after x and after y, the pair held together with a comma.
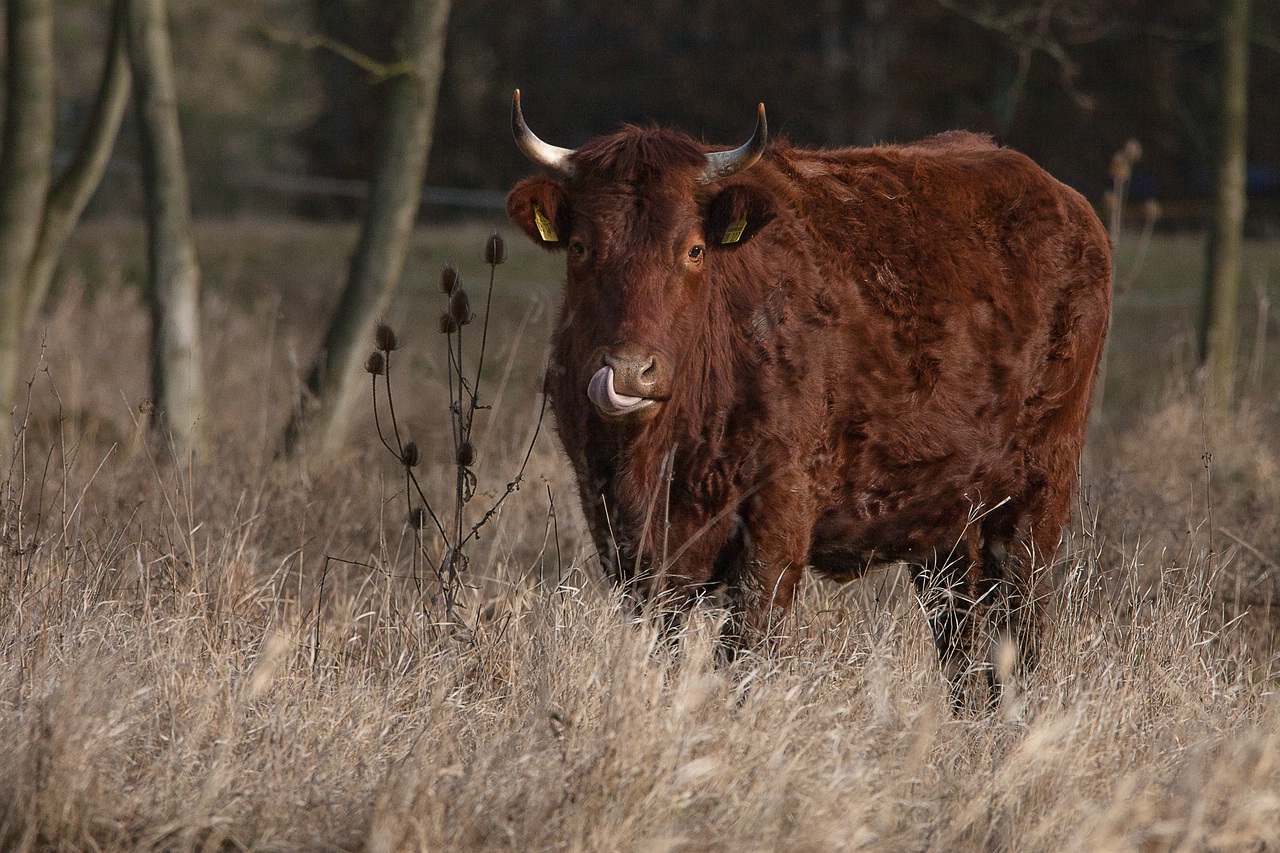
x: 1033, y: 582
x: 956, y: 590
x: 1012, y: 618
x: 1026, y: 571
x: 777, y: 530
x: 1018, y: 549
x: 1053, y: 468
x: 675, y: 566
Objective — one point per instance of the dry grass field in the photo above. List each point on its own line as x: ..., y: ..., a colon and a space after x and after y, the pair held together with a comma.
x: 251, y: 653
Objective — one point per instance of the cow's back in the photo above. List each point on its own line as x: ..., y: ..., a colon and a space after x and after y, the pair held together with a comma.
x: 971, y: 295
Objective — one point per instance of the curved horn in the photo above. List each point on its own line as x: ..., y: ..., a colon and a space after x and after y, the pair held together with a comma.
x: 722, y: 164
x: 549, y: 156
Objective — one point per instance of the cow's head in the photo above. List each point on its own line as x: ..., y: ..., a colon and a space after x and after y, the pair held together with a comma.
x: 642, y: 215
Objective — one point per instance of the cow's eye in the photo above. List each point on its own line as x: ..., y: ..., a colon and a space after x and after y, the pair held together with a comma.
x: 577, y: 248
x: 695, y: 254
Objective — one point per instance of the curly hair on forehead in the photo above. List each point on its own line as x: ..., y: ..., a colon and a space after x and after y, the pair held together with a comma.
x: 637, y: 155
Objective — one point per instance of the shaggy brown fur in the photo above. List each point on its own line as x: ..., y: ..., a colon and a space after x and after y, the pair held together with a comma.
x: 894, y: 363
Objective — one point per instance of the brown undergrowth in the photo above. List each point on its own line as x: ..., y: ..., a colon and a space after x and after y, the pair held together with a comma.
x: 235, y: 654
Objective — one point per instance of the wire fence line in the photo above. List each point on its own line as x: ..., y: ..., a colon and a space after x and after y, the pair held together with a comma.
x: 298, y: 184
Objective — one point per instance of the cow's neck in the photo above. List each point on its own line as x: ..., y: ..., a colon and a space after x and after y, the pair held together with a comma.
x: 672, y: 464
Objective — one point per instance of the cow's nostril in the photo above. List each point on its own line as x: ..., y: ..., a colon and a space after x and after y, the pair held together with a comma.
x: 637, y: 374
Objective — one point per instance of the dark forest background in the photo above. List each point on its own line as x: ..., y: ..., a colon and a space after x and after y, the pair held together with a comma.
x: 275, y: 123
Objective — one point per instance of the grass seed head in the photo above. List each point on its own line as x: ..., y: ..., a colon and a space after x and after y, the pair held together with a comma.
x: 449, y: 279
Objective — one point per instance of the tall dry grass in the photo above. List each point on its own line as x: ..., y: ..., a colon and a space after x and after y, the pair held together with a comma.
x: 237, y: 655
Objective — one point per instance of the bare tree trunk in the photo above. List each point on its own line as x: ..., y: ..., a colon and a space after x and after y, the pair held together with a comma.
x: 1226, y: 239
x: 24, y: 174
x: 337, y: 379
x: 76, y: 186
x: 174, y: 291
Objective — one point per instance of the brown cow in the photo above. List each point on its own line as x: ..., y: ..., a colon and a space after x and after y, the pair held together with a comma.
x: 773, y: 358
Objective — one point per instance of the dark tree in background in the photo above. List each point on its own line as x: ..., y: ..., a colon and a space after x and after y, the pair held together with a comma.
x: 36, y: 216
x: 173, y: 292
x: 1226, y: 234
x: 337, y: 378
x: 337, y: 138
x: 71, y: 193
x: 1066, y: 82
x: 25, y: 167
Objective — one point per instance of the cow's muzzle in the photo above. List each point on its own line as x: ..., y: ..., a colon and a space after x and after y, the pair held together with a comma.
x: 628, y: 383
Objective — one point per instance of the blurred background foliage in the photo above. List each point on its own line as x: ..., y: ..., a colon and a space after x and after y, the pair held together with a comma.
x: 265, y: 115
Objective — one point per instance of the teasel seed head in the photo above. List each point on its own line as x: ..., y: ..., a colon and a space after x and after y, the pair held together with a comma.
x: 417, y: 518
x: 448, y: 325
x: 385, y: 337
x: 1133, y: 150
x: 1152, y: 210
x: 376, y: 363
x: 460, y: 307
x: 495, y: 249
x: 466, y: 454
x: 449, y: 279
x: 410, y: 456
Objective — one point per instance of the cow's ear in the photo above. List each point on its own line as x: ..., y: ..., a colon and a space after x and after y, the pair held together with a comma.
x: 736, y: 214
x: 540, y: 206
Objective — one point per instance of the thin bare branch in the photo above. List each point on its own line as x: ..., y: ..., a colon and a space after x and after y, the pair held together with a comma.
x: 380, y: 71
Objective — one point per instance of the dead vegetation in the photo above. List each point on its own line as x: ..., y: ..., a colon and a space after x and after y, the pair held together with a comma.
x: 237, y: 654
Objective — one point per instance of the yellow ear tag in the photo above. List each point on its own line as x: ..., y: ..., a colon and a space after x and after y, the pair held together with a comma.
x: 733, y: 233
x: 544, y: 226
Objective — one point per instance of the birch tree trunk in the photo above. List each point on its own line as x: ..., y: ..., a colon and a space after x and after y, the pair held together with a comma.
x: 35, y: 220
x: 337, y: 379
x: 174, y: 275
x: 1225, y: 250
x: 72, y: 191
x: 24, y: 176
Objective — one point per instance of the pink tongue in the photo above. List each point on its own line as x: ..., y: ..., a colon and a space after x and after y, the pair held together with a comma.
x: 601, y: 392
